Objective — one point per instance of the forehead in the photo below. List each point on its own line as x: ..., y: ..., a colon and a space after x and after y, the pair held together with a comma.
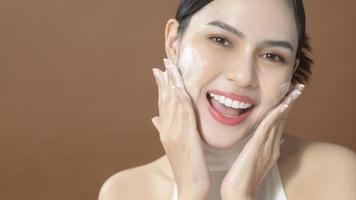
x: 257, y: 19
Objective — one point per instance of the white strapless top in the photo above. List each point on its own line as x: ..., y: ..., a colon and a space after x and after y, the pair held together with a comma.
x: 271, y: 187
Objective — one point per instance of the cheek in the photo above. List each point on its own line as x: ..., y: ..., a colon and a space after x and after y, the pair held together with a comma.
x: 284, y: 87
x: 195, y: 70
x: 274, y: 89
x: 190, y: 65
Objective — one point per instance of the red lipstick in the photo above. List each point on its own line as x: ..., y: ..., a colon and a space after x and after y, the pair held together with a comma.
x: 222, y: 118
x: 233, y: 96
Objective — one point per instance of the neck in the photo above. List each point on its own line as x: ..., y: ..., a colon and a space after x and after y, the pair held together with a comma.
x: 222, y: 159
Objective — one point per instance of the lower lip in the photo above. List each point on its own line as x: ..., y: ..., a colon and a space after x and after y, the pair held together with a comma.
x: 218, y: 116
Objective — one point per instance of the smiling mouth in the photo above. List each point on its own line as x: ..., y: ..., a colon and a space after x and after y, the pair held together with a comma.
x: 229, y: 109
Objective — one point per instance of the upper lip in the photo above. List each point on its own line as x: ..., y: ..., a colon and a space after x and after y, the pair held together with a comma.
x: 234, y: 96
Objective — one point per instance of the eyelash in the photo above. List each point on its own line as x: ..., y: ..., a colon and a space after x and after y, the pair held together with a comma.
x: 222, y: 41
x: 279, y: 58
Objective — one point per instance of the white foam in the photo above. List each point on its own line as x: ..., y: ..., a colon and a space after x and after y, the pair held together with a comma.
x: 284, y: 87
x: 190, y: 64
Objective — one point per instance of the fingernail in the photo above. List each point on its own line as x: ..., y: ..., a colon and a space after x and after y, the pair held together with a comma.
x: 155, y: 71
x: 166, y: 63
x: 300, y: 86
x: 284, y: 107
x: 154, y: 121
x: 301, y: 89
x: 298, y: 93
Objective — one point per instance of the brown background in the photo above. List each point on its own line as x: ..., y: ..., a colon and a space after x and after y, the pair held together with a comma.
x: 77, y: 91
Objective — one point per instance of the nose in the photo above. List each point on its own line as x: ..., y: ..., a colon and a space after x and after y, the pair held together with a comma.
x: 242, y: 72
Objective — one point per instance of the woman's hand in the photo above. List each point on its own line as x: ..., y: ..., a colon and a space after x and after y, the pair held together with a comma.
x: 179, y: 136
x: 259, y: 154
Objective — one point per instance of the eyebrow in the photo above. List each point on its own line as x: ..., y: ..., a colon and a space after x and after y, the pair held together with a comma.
x: 276, y: 43
x: 264, y: 43
x: 226, y: 27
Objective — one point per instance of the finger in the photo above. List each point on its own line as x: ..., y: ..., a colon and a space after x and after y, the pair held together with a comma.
x: 164, y: 83
x: 178, y: 80
x: 274, y: 140
x: 162, y: 79
x: 278, y: 140
x: 184, y: 119
x: 273, y: 133
x: 265, y: 126
x: 156, y: 123
x: 263, y: 130
x: 180, y: 115
x: 300, y: 86
x: 157, y: 78
x: 294, y: 94
x: 269, y: 149
x: 280, y: 127
x: 169, y: 120
x: 256, y: 145
x: 184, y: 100
x: 164, y: 95
x: 297, y: 86
x: 272, y: 143
x: 171, y: 81
x: 160, y: 83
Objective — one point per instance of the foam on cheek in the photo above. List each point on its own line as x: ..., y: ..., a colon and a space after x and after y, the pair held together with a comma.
x: 285, y: 87
x: 190, y: 64
x: 283, y: 90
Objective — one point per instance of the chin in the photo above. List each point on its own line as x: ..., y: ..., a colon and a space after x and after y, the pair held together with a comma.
x: 219, y: 143
x: 225, y: 142
x: 221, y: 137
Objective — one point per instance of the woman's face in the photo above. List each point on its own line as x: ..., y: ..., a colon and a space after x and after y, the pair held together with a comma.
x: 236, y: 49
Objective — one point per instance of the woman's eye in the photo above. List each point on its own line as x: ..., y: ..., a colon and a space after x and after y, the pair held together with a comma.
x: 221, y: 41
x: 273, y: 57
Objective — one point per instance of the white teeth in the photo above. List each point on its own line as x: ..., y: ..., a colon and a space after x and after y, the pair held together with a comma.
x: 229, y: 102
x: 222, y: 99
x: 247, y: 105
x: 236, y: 104
x: 243, y: 105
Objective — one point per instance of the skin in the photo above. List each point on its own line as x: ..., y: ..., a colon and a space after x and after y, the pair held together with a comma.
x: 177, y: 121
x: 238, y: 64
x: 242, y: 67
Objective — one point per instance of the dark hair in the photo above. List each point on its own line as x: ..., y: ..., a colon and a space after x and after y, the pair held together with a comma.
x: 187, y: 8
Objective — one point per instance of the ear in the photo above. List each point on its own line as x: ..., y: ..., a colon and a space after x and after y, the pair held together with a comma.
x: 172, y: 40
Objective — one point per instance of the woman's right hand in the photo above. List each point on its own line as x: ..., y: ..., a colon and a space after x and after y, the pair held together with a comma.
x: 179, y: 135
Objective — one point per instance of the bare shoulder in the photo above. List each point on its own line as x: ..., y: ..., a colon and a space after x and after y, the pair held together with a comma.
x: 321, y: 170
x: 141, y: 182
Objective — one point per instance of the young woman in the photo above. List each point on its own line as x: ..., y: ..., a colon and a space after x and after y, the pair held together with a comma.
x: 233, y: 70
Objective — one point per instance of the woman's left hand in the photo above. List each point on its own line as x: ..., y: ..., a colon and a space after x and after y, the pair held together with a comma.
x: 259, y: 154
